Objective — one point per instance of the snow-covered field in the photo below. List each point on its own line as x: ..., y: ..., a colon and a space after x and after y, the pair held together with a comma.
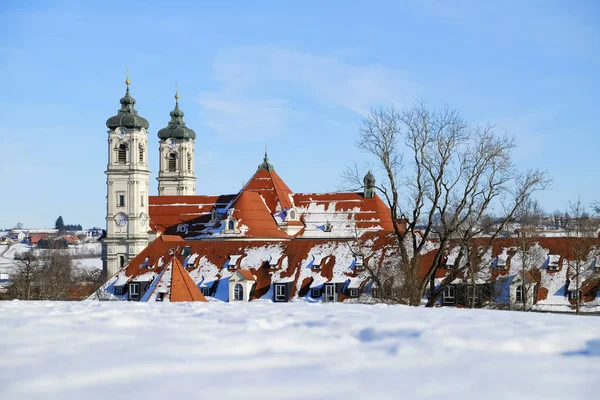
x: 261, y: 350
x: 89, y: 250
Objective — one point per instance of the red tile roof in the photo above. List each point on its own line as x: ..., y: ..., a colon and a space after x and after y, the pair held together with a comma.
x: 247, y: 274
x: 37, y: 237
x: 271, y: 187
x: 251, y: 212
x: 168, y: 211
x: 183, y: 287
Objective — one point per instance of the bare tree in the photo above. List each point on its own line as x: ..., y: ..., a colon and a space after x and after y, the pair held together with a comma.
x: 581, y: 230
x: 22, y: 277
x: 41, y: 275
x: 529, y: 215
x: 455, y: 174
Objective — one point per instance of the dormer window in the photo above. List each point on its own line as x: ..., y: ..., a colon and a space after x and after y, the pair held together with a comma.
x: 596, y: 263
x: 186, y: 251
x: 328, y: 227
x: 291, y: 214
x: 232, y: 261
x: 553, y: 262
x: 448, y: 262
x: 500, y: 262
x: 359, y: 264
x: 272, y: 263
x: 231, y: 225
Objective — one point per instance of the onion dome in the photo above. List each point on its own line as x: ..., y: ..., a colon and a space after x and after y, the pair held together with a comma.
x: 176, y: 128
x: 369, y: 179
x: 127, y: 116
x: 265, y: 164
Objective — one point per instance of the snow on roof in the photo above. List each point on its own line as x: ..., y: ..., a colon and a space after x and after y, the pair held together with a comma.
x: 146, y: 277
x: 255, y: 257
x: 553, y: 259
x: 502, y: 258
x: 120, y: 280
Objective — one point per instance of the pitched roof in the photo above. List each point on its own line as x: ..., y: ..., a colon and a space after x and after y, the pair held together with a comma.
x: 169, y: 211
x: 183, y: 287
x: 271, y: 187
x: 37, y: 237
x: 244, y: 274
x: 253, y: 215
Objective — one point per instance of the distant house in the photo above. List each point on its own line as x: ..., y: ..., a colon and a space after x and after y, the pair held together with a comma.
x: 17, y: 235
x: 6, y: 240
x: 70, y: 240
x: 35, y: 238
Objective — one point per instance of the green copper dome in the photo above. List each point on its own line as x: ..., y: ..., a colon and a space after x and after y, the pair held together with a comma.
x: 265, y: 164
x: 176, y: 128
x: 127, y: 116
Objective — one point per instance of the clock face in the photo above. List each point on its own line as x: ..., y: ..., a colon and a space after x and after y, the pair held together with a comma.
x: 121, y: 219
x: 122, y: 132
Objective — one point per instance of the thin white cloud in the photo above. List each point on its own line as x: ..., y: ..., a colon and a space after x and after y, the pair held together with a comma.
x: 261, y: 88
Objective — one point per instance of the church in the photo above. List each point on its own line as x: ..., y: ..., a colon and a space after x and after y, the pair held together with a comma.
x: 265, y: 241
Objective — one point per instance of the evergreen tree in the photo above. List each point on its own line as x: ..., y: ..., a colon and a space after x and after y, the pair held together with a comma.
x: 59, y: 224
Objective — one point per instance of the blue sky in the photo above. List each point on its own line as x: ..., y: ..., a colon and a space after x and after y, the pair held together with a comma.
x: 294, y: 75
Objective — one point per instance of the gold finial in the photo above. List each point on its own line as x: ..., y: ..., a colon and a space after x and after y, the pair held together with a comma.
x: 127, y: 81
x: 176, y: 91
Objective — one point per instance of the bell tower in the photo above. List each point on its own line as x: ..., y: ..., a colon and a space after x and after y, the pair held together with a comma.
x: 127, y: 177
x: 176, y: 146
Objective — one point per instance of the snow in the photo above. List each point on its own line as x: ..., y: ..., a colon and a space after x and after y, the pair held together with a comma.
x: 100, y: 350
x: 88, y: 264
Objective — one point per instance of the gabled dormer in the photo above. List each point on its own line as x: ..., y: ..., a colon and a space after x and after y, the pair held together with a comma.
x: 232, y: 261
x: 289, y: 221
x: 553, y: 262
x: 230, y: 224
x: 241, y: 285
x: 500, y: 262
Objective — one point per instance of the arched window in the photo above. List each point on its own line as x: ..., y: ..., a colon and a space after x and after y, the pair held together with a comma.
x: 189, y: 163
x: 519, y: 294
x: 238, y: 292
x: 141, y: 148
x: 122, y: 154
x: 231, y: 225
x: 172, y: 162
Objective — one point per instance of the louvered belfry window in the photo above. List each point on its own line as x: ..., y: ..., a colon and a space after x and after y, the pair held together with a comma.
x: 122, y: 156
x: 172, y: 162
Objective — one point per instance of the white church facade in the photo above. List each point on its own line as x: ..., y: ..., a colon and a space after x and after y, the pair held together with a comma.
x: 127, y: 178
